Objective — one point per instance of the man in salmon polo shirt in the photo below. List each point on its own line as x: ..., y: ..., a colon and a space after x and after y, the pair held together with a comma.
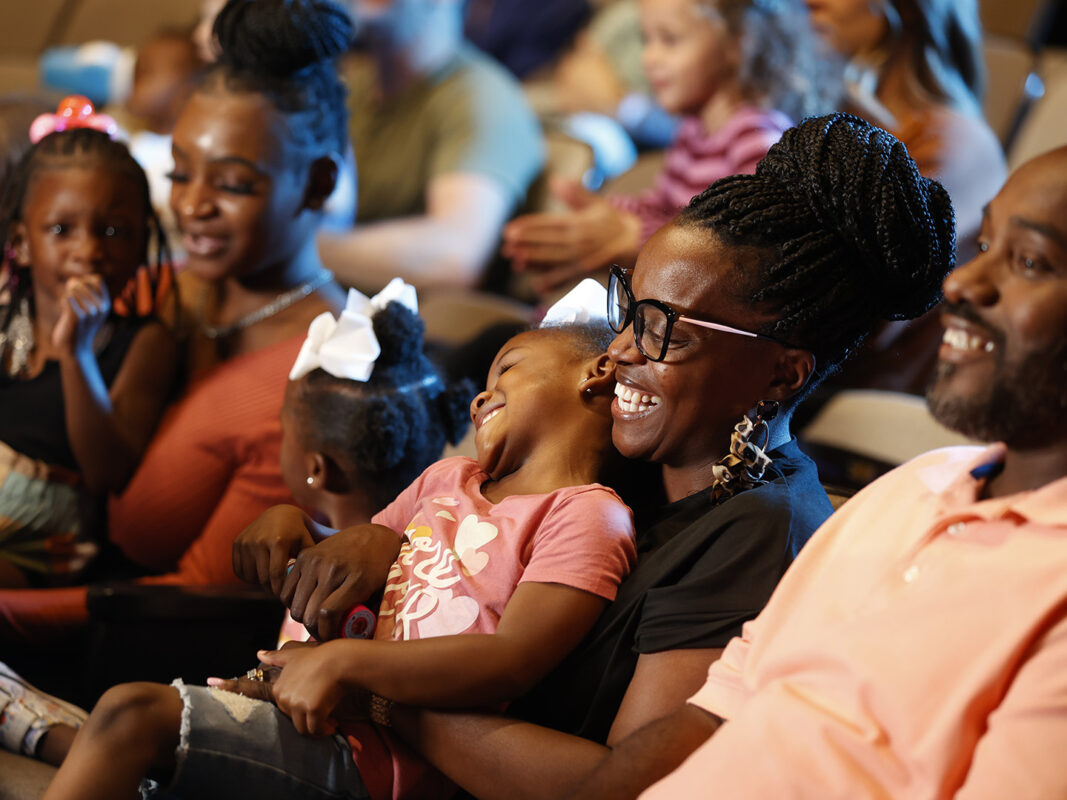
x: 917, y: 648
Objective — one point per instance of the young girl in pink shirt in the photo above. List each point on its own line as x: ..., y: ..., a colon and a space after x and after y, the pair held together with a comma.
x: 506, y: 562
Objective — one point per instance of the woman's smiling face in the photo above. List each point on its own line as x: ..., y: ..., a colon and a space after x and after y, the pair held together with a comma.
x: 236, y: 192
x: 679, y: 412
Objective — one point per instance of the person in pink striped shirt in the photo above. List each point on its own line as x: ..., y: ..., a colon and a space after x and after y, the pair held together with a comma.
x: 917, y: 648
x: 740, y: 71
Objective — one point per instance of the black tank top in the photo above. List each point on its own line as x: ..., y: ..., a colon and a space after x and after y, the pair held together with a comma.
x: 32, y: 420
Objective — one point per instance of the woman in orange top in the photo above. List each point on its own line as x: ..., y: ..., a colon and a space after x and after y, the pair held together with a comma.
x: 256, y: 154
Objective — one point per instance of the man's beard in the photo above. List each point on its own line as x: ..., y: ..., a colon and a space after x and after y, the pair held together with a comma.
x: 1022, y: 405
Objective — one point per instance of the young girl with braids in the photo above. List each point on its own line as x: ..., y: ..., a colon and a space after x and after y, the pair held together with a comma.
x: 357, y: 428
x: 740, y: 72
x: 761, y: 287
x: 506, y: 562
x: 81, y: 387
x: 256, y: 150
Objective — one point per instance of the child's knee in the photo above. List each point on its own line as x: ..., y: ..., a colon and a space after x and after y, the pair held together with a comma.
x: 137, y: 709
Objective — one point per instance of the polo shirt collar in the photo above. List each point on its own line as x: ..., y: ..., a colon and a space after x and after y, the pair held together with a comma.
x: 1046, y: 505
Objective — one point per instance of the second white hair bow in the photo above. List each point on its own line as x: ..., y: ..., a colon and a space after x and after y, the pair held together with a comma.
x: 586, y: 302
x: 346, y: 347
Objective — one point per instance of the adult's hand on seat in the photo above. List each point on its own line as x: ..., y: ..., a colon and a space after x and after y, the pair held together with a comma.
x: 557, y: 248
x: 262, y: 551
x: 336, y: 574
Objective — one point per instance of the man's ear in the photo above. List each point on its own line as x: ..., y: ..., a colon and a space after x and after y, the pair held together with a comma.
x: 20, y: 244
x: 598, y: 379
x: 792, y: 371
x: 322, y: 178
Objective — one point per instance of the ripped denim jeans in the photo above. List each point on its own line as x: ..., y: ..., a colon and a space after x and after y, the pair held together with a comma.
x: 232, y: 746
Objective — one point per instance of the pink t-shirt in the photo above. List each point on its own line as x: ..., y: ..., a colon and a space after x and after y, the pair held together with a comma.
x: 462, y: 559
x: 917, y: 648
x: 698, y: 157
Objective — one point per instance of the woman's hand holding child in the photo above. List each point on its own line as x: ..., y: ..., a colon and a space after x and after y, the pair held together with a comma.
x: 328, y: 578
x: 338, y: 573
x: 310, y: 685
x: 311, y: 693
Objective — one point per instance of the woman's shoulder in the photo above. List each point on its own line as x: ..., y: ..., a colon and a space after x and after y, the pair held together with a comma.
x: 939, y: 133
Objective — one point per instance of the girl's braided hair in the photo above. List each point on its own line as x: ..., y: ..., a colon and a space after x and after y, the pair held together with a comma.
x: 77, y: 147
x: 845, y: 230
x: 284, y: 49
x: 388, y: 430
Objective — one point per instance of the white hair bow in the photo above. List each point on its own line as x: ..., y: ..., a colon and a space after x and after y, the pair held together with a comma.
x: 586, y: 302
x: 346, y: 347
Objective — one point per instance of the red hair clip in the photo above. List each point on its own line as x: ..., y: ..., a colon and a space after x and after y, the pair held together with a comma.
x: 74, y: 111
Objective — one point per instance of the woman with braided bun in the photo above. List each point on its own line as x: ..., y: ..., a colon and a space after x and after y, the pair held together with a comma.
x: 756, y: 292
x: 256, y: 153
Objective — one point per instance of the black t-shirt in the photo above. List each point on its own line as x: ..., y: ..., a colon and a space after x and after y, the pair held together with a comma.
x: 702, y: 572
x: 32, y: 420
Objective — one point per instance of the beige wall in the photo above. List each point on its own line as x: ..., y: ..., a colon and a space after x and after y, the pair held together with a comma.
x: 29, y: 26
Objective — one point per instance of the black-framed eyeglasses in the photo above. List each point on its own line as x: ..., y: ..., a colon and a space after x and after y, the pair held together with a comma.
x: 654, y: 320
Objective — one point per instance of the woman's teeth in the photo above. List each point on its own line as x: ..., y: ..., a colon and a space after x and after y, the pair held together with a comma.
x: 961, y: 340
x: 490, y: 415
x: 632, y: 401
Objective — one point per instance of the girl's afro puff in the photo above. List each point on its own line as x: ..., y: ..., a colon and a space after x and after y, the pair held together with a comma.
x: 385, y: 432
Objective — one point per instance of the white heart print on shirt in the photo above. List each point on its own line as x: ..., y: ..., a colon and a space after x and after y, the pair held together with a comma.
x: 471, y: 535
x: 438, y: 612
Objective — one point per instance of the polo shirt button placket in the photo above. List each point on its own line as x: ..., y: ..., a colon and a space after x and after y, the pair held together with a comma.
x: 911, y: 574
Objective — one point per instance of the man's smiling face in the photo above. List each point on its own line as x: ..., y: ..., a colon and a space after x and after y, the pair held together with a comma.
x: 1002, y: 372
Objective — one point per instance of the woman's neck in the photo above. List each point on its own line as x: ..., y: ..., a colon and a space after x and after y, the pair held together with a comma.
x: 899, y: 91
x: 231, y: 306
x: 237, y: 296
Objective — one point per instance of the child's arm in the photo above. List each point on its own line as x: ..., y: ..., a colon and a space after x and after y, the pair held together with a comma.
x: 109, y: 430
x: 540, y: 625
x: 580, y: 553
x: 338, y: 573
x: 261, y: 552
x: 334, y: 570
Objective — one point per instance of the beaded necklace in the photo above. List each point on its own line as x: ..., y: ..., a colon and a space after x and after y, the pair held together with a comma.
x: 278, y: 304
